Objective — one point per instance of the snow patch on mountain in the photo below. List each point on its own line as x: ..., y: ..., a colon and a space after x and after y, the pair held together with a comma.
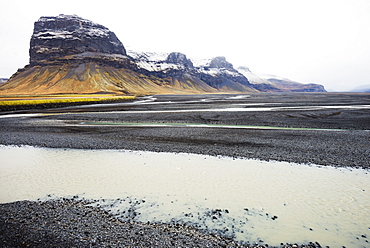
x: 158, y: 61
x: 152, y: 61
x: 217, y: 71
x: 54, y: 28
x: 54, y: 36
x: 148, y: 56
x: 158, y: 66
x: 201, y: 62
x: 214, y: 66
x: 253, y: 78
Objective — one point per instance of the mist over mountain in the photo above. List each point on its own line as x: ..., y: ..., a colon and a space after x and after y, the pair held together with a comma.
x: 363, y: 88
x: 69, y: 54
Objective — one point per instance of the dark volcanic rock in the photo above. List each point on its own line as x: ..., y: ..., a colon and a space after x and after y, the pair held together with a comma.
x: 64, y: 35
x: 220, y: 62
x: 179, y: 58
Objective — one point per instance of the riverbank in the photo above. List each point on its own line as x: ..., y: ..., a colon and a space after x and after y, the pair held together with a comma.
x: 72, y: 223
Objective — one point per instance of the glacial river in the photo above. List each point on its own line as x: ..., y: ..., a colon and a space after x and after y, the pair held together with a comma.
x: 251, y: 200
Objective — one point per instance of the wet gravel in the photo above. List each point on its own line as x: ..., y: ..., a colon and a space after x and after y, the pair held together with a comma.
x: 72, y: 223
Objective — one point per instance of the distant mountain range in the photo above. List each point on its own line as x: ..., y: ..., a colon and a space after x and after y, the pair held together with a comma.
x: 363, y: 88
x: 69, y: 54
x: 272, y: 83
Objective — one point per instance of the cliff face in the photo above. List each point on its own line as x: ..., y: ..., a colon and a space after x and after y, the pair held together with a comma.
x: 69, y: 54
x: 55, y: 37
x: 180, y: 58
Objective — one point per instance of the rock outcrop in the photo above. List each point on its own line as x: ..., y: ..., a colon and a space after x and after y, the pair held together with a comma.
x: 55, y: 37
x: 220, y: 62
x: 179, y: 58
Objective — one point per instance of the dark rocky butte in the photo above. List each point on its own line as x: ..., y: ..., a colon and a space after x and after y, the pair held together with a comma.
x: 55, y: 37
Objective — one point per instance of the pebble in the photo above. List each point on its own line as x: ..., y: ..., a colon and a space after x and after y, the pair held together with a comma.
x: 70, y: 223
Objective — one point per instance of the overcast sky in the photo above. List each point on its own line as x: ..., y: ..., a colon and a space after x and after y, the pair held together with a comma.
x: 310, y: 41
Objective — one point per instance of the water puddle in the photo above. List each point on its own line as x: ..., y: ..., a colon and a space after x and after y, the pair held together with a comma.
x: 250, y: 200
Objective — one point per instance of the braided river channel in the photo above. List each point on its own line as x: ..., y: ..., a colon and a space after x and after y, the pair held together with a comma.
x: 251, y: 201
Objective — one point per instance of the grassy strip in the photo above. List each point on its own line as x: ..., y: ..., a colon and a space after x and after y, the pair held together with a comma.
x: 57, y: 96
x: 69, y: 100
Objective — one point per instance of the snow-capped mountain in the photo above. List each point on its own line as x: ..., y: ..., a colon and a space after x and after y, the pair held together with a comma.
x: 272, y: 83
x: 155, y: 62
x: 253, y: 78
x: 216, y: 72
x: 69, y: 54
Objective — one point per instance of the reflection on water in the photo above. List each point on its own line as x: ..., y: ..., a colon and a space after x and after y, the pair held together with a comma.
x: 248, y: 199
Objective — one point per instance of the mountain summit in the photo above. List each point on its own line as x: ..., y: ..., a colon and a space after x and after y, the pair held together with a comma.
x: 179, y: 58
x: 64, y: 35
x: 69, y: 54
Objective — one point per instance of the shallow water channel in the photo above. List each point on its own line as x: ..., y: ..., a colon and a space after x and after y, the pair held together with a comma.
x: 251, y: 200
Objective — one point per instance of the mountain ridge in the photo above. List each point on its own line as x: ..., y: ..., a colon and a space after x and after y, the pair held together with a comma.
x: 69, y: 54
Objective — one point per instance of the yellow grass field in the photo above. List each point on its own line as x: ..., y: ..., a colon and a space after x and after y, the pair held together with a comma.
x: 70, y: 98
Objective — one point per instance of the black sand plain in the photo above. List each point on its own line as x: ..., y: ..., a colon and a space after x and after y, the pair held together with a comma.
x: 328, y: 129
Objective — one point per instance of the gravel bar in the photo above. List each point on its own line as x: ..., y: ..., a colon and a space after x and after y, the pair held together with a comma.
x: 72, y: 223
